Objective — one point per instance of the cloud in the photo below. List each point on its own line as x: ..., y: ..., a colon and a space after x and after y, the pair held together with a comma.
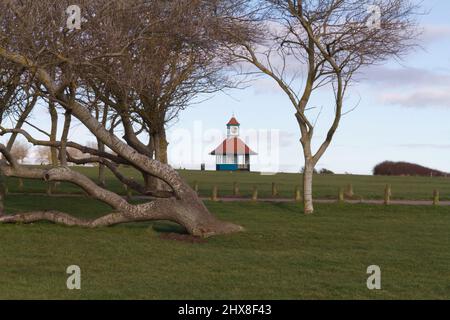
x: 410, y: 87
x: 435, y: 33
x: 424, y: 145
x: 265, y: 86
x: 413, y: 86
x: 426, y: 97
x: 409, y: 76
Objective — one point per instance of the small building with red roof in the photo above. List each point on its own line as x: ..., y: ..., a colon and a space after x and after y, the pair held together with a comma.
x: 233, y: 154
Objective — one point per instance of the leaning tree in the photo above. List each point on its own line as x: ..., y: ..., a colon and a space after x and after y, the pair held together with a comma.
x: 106, y: 63
x: 306, y: 45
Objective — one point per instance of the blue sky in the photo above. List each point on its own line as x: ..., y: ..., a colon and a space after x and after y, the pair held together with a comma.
x: 403, y: 114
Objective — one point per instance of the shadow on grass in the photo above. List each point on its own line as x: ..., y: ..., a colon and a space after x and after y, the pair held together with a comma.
x: 288, y: 208
x: 162, y: 227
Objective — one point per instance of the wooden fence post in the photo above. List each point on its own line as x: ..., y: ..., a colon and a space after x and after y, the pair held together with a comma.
x: 387, y: 195
x: 436, y: 197
x: 349, y: 193
x: 235, y: 188
x: 341, y: 196
x: 255, y: 194
x: 214, y: 195
x: 297, y: 194
x: 274, y: 189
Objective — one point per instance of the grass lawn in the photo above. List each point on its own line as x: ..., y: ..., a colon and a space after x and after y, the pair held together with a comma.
x: 282, y: 255
x: 325, y: 186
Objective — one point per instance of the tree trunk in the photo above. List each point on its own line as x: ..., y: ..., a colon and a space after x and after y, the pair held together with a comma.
x: 101, y: 167
x: 101, y: 147
x: 186, y: 210
x: 161, y: 145
x: 307, y: 187
x: 64, y: 137
x: 53, y: 132
x: 150, y: 182
x: 158, y: 145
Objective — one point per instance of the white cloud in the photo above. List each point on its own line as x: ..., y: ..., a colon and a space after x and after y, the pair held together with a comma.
x: 410, y: 86
x: 434, y: 33
x: 386, y: 77
x: 425, y: 97
x: 413, y: 86
x: 425, y: 145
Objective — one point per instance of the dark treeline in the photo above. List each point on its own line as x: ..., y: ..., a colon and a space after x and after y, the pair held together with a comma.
x: 389, y: 168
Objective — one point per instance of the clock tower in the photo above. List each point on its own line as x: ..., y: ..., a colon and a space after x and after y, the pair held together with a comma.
x: 233, y: 128
x: 233, y: 154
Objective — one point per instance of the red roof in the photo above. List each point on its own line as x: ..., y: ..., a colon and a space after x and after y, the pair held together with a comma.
x: 233, y: 122
x: 233, y: 146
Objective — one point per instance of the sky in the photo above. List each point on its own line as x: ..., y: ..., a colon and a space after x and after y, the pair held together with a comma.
x: 402, y: 114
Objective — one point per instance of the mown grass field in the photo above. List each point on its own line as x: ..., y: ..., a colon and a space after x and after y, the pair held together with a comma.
x: 325, y: 186
x: 282, y: 255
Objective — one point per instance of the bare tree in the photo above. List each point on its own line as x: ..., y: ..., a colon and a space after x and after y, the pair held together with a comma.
x: 169, y: 79
x: 65, y: 65
x: 307, y: 45
x: 44, y: 155
x: 20, y: 150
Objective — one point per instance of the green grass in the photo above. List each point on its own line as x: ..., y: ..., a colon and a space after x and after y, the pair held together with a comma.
x: 282, y: 255
x: 325, y: 186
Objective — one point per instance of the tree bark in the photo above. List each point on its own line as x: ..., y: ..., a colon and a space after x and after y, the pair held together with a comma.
x: 53, y: 132
x: 101, y: 148
x: 64, y: 137
x: 158, y: 146
x: 161, y: 145
x: 307, y: 187
x: 101, y: 167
